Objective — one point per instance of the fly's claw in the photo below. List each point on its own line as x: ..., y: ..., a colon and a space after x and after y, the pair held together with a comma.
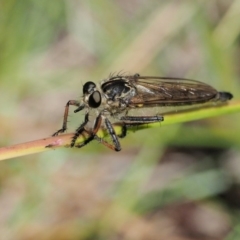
x: 59, y: 131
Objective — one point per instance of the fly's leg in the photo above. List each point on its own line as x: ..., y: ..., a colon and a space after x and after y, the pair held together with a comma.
x: 130, y: 121
x: 135, y: 120
x: 92, y: 133
x: 105, y: 143
x: 64, y: 126
x: 116, y: 144
x: 124, y: 131
x: 86, y: 141
x: 79, y: 130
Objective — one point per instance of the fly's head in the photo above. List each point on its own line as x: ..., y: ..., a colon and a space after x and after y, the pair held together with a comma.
x: 91, y: 96
x: 112, y: 97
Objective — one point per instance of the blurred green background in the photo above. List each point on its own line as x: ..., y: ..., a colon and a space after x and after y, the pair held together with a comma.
x: 172, y: 182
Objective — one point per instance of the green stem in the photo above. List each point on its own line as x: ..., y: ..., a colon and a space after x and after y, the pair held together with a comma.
x: 64, y: 140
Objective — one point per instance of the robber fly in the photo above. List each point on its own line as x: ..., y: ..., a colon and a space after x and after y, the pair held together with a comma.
x: 118, y: 95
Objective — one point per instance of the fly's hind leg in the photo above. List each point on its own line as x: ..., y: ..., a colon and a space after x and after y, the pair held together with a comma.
x: 139, y: 120
x: 130, y: 121
x: 127, y: 121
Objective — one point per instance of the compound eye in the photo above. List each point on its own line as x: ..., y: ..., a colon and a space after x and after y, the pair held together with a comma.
x: 88, y: 87
x: 95, y: 100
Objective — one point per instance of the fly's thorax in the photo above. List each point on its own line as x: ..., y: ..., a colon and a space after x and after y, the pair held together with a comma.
x: 118, y: 89
x: 115, y: 94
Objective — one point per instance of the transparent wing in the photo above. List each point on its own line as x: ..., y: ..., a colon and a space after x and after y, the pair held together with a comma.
x: 157, y: 91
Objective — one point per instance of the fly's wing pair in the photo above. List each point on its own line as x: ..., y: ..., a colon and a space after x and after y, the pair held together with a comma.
x: 161, y: 91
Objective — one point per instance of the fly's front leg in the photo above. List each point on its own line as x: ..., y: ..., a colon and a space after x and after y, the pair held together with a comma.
x: 64, y: 126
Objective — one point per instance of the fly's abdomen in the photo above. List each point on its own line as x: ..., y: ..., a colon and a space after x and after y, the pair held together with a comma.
x: 224, y: 96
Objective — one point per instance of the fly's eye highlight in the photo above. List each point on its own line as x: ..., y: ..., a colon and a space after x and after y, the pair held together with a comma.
x: 95, y: 100
x: 88, y: 87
